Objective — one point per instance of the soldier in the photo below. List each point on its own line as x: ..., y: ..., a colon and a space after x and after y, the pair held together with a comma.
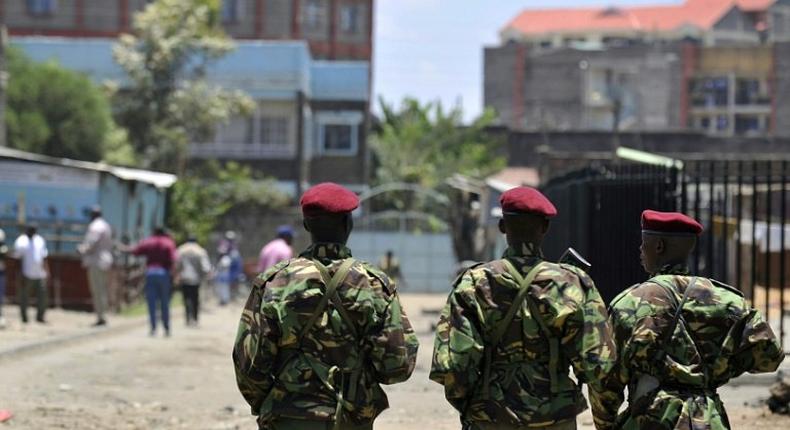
x: 320, y: 332
x: 679, y: 338
x: 512, y: 327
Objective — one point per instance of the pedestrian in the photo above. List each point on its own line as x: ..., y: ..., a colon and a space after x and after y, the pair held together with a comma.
x: 320, y: 332
x: 192, y: 267
x: 232, y: 264
x: 31, y: 249
x: 96, y: 250
x: 391, y: 266
x: 160, y: 255
x: 512, y: 327
x: 679, y: 338
x: 222, y: 278
x: 3, y: 253
x: 277, y: 250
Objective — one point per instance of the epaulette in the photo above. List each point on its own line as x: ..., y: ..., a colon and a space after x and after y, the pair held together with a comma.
x: 578, y: 272
x: 270, y: 273
x: 373, y: 271
x: 620, y: 296
x: 726, y: 287
x: 464, y: 272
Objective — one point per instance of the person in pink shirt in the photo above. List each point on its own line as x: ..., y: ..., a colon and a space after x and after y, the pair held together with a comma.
x: 277, y: 250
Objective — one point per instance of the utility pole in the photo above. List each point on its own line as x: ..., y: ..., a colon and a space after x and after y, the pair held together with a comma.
x: 3, y: 81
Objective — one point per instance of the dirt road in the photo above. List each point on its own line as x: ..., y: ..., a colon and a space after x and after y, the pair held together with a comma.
x: 131, y: 381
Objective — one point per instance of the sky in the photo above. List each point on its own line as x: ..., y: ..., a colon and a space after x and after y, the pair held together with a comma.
x: 433, y: 49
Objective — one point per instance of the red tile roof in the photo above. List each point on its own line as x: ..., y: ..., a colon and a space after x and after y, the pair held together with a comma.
x: 698, y: 13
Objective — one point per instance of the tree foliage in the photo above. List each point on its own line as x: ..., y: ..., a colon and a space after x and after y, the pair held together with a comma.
x: 427, y: 145
x: 167, y: 102
x: 57, y: 112
x: 198, y: 200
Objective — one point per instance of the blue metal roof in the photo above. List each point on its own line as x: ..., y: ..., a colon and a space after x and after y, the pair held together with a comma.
x: 264, y: 69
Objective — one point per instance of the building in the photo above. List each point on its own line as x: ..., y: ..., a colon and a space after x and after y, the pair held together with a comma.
x: 306, y: 63
x: 711, y: 65
x: 56, y: 195
x: 334, y: 29
x: 311, y: 117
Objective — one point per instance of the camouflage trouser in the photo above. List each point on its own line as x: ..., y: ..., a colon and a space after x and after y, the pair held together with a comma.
x: 290, y: 424
x: 563, y: 425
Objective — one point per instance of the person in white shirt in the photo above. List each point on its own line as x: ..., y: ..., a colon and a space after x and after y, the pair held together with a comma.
x: 192, y: 267
x: 32, y: 250
x: 96, y: 250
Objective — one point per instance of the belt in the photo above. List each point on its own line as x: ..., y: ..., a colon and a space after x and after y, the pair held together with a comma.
x: 295, y: 424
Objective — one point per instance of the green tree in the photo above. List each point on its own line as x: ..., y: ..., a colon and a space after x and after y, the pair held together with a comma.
x: 167, y: 101
x: 199, y: 200
x: 427, y: 145
x: 57, y: 112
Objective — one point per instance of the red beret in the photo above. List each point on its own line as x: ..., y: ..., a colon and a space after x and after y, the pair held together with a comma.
x: 670, y: 223
x: 328, y: 198
x: 526, y: 200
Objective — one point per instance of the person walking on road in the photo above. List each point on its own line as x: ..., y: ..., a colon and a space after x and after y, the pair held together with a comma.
x: 96, y: 250
x: 321, y: 332
x: 31, y: 249
x: 277, y: 250
x: 160, y: 255
x: 192, y: 267
x: 513, y: 327
x: 679, y: 338
x: 3, y: 252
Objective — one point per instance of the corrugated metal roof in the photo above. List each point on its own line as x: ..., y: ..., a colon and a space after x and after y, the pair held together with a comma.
x: 157, y: 179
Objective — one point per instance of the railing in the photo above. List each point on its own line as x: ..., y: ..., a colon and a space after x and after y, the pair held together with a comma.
x: 241, y: 151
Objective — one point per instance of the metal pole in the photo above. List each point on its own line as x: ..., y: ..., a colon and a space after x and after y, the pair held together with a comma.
x: 739, y: 216
x: 3, y: 82
x: 754, y: 229
x: 768, y: 177
x: 782, y: 254
x: 696, y: 212
x: 725, y: 228
x: 710, y: 260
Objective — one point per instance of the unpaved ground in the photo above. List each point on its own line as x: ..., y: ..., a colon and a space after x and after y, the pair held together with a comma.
x: 131, y: 381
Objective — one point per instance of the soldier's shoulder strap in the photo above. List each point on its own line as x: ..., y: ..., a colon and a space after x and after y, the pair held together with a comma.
x: 270, y: 273
x: 465, y: 271
x: 727, y: 287
x: 331, y: 283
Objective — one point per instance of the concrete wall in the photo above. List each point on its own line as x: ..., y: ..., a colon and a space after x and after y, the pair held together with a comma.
x: 499, y: 72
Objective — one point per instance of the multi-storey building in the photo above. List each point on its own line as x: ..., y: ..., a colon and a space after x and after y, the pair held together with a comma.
x: 334, y: 29
x: 306, y: 64
x: 718, y: 66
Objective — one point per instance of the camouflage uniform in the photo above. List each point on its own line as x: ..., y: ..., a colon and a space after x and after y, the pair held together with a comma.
x: 333, y: 374
x: 719, y: 337
x: 519, y: 392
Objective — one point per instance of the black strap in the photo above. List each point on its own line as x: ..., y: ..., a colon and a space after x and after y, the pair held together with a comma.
x: 669, y: 331
x: 524, y: 283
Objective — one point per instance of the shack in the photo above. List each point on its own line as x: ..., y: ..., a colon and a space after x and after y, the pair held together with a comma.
x: 56, y: 195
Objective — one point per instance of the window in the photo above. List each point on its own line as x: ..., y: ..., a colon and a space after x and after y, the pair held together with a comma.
x: 751, y: 92
x: 41, y: 7
x: 747, y: 125
x: 338, y: 138
x: 231, y: 11
x: 349, y: 18
x: 274, y: 131
x: 710, y: 92
x: 313, y: 14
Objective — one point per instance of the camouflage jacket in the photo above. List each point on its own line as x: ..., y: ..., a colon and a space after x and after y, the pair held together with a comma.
x: 719, y: 337
x: 279, y: 377
x: 519, y: 389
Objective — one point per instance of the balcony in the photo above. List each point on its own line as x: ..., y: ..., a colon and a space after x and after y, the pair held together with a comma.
x: 242, y: 151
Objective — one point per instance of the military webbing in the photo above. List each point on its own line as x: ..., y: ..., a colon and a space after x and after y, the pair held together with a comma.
x: 327, y: 376
x: 669, y: 331
x: 499, y: 331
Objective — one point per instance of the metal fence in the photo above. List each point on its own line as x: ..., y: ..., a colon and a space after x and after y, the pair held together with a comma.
x: 742, y: 204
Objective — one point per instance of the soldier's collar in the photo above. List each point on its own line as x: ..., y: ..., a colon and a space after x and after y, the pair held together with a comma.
x: 326, y: 251
x: 525, y: 250
x: 673, y: 269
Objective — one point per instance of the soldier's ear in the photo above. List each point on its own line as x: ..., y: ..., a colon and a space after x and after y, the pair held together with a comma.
x: 306, y: 225
x: 501, y: 225
x: 546, y: 224
x: 661, y: 245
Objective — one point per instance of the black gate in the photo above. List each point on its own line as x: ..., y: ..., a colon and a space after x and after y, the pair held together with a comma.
x: 742, y: 204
